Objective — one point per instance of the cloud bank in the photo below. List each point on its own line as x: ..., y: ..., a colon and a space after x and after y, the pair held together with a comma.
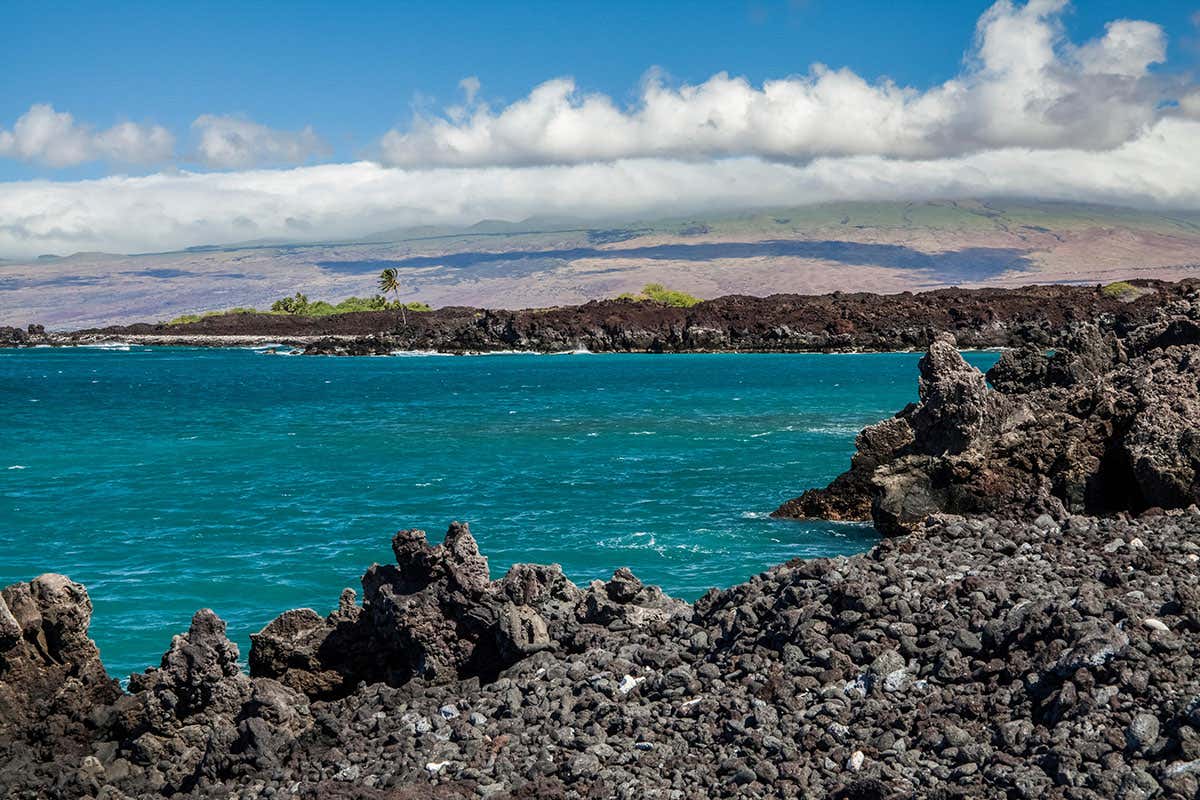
x: 335, y: 201
x: 1025, y: 85
x: 1031, y: 114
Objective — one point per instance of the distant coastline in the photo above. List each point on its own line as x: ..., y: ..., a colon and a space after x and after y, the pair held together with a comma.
x: 780, y: 323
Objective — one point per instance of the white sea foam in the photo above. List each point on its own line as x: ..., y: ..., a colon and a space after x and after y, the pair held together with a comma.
x: 504, y: 353
x: 107, y: 345
x: 17, y: 466
x: 755, y: 515
x: 835, y: 430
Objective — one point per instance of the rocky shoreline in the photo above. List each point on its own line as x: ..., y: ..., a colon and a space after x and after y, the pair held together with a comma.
x: 978, y: 318
x: 1029, y: 628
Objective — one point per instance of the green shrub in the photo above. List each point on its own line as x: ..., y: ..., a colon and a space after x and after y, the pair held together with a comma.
x: 1121, y: 290
x: 297, y: 304
x: 657, y: 293
x: 184, y: 319
x: 1126, y: 292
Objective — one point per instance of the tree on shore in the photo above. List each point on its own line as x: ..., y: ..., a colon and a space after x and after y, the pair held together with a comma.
x: 389, y: 282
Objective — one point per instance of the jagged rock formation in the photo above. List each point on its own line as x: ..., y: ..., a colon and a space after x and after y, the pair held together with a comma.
x: 437, y: 615
x: 1108, y: 422
x: 50, y: 675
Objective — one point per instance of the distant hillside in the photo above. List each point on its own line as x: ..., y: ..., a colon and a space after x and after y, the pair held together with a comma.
x: 883, y: 247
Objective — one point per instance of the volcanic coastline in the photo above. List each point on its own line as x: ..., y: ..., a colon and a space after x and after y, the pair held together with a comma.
x: 781, y: 323
x: 1029, y: 626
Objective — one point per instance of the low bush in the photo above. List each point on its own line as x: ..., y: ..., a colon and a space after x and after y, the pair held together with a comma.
x: 299, y: 305
x: 657, y: 293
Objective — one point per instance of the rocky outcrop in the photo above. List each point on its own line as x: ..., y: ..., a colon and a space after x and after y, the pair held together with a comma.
x: 50, y: 677
x: 48, y: 665
x: 437, y: 615
x: 373, y: 345
x: 1108, y: 422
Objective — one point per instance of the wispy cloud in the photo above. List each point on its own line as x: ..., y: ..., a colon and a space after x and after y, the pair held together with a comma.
x: 1025, y: 85
x: 45, y: 136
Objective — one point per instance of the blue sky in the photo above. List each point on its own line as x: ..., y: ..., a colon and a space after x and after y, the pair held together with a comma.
x: 354, y: 70
x: 152, y: 126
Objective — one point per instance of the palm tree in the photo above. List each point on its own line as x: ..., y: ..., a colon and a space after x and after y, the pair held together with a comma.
x: 388, y: 282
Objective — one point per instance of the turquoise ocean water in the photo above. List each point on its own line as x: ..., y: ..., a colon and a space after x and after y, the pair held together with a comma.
x: 167, y: 480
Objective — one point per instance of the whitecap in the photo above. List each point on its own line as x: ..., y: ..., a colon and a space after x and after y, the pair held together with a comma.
x: 17, y: 466
x: 755, y: 515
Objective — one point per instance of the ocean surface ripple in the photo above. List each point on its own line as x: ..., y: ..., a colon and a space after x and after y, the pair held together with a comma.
x: 171, y: 479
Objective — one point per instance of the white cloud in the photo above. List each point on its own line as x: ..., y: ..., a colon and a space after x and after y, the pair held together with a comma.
x: 1127, y: 48
x: 1161, y: 167
x: 54, y: 138
x: 1024, y: 85
x: 235, y: 143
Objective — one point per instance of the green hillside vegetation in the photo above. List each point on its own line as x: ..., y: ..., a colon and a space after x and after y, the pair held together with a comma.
x: 299, y: 305
x: 184, y: 319
x: 657, y: 293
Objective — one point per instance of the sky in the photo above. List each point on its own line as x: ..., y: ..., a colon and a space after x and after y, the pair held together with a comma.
x: 131, y: 127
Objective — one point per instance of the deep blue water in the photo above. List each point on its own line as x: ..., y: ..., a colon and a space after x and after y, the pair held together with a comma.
x: 170, y: 479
